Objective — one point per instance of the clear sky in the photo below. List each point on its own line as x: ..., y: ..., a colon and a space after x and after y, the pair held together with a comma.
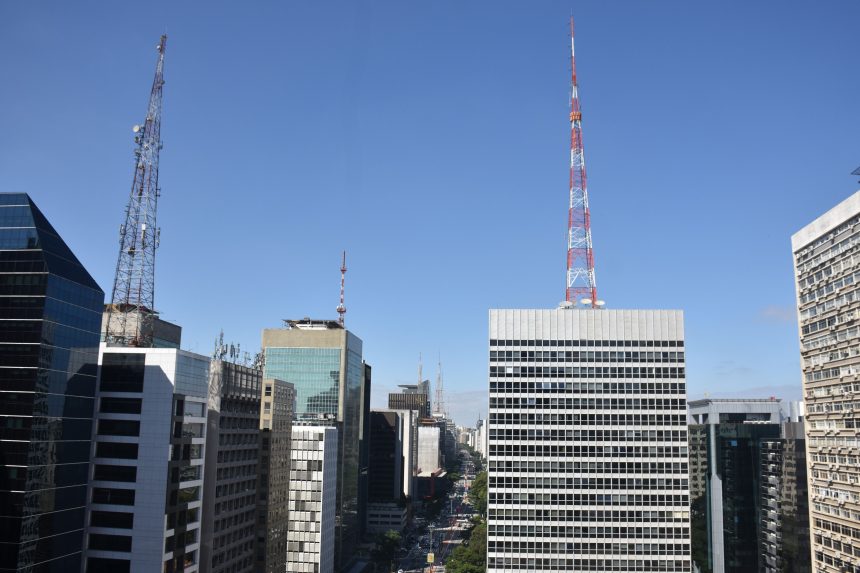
x: 431, y: 141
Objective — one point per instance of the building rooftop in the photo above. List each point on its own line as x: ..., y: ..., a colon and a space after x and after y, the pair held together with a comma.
x: 312, y: 323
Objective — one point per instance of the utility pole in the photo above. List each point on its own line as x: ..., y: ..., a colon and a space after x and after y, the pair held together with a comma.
x: 131, y: 313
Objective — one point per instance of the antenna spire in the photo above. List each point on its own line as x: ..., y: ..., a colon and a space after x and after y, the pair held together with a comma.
x: 581, y: 281
x: 439, y: 407
x: 341, y: 309
x: 131, y: 313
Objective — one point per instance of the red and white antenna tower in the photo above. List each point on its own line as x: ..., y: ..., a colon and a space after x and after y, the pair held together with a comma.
x: 581, y: 282
x: 341, y: 309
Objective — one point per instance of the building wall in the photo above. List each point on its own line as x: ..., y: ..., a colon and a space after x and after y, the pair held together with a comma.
x: 49, y: 320
x: 429, y: 456
x: 587, y: 441
x: 386, y: 457
x: 313, y: 496
x: 276, y: 423
x: 826, y: 265
x: 232, y: 465
x: 149, y: 446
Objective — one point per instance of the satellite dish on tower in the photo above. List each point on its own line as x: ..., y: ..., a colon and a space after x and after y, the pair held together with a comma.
x: 136, y: 128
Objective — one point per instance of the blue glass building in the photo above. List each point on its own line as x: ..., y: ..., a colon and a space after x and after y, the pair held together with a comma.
x: 323, y: 361
x: 50, y: 313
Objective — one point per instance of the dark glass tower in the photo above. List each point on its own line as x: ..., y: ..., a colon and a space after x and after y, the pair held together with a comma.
x: 50, y: 313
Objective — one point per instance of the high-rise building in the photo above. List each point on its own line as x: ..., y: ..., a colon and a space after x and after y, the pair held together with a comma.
x: 784, y: 522
x: 389, y: 455
x: 826, y: 266
x: 146, y: 485
x: 412, y: 397
x: 276, y: 424
x: 726, y: 440
x: 50, y: 308
x: 228, y: 531
x: 587, y: 441
x: 313, y: 499
x: 324, y: 363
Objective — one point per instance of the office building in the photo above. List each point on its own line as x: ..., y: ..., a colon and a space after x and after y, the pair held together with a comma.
x: 312, y: 499
x: 827, y: 268
x: 324, y: 363
x: 273, y: 498
x: 726, y: 439
x: 146, y: 487
x: 429, y: 453
x: 587, y: 441
x: 386, y: 498
x: 50, y: 308
x: 784, y: 523
x: 412, y: 397
x: 231, y: 468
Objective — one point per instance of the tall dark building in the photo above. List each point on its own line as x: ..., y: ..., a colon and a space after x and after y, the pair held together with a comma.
x: 50, y: 308
x: 410, y: 400
x: 750, y: 508
x: 386, y: 457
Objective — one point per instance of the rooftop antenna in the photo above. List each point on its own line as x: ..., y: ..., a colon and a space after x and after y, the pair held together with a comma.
x: 131, y: 313
x: 439, y: 406
x: 341, y: 309
x: 420, y: 370
x: 581, y: 280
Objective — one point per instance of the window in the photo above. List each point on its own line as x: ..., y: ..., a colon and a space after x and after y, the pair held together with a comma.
x: 113, y: 496
x: 110, y: 542
x: 116, y: 450
x: 104, y: 565
x: 121, y: 520
x: 122, y: 372
x: 119, y: 428
x: 121, y: 405
x: 115, y: 473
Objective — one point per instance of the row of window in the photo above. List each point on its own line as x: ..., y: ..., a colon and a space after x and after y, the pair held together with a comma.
x: 598, y: 515
x: 581, y: 342
x: 847, y: 263
x: 532, y: 434
x: 583, y: 356
x: 659, y: 500
x: 585, y: 565
x: 586, y: 372
x: 588, y: 467
x: 620, y: 549
x: 638, y: 484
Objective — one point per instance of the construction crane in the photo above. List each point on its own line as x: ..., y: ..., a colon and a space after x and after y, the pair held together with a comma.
x: 131, y: 312
x: 341, y: 309
x: 581, y: 281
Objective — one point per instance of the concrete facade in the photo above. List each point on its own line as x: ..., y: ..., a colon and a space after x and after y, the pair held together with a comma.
x: 148, y: 460
x: 429, y: 455
x: 826, y: 256
x: 587, y: 467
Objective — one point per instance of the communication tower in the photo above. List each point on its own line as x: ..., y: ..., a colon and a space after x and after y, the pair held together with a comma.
x: 131, y: 312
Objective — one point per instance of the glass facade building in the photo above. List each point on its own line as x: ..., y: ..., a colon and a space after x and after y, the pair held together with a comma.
x: 50, y: 312
x: 324, y: 363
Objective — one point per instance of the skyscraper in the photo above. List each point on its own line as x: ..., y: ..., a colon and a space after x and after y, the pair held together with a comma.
x: 587, y: 441
x: 50, y: 308
x: 827, y: 268
x: 323, y: 361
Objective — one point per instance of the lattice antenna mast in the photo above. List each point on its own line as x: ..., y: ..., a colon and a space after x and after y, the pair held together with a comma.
x: 439, y: 407
x: 131, y: 313
x: 341, y: 309
x: 581, y: 281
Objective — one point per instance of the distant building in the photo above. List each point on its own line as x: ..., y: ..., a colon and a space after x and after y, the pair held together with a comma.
x: 324, y: 363
x: 389, y: 439
x: 148, y: 461
x: 273, y: 499
x: 429, y: 454
x: 827, y: 270
x: 412, y: 397
x: 587, y: 467
x: 50, y: 308
x: 312, y: 498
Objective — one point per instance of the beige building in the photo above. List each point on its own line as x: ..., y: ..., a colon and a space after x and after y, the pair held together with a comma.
x: 827, y: 274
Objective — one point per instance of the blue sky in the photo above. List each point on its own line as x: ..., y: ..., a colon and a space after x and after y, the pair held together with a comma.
x: 430, y: 141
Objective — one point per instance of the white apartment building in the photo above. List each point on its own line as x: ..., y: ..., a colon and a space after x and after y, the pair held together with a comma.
x: 588, y: 455
x: 148, y: 451
x: 827, y: 272
x: 312, y: 494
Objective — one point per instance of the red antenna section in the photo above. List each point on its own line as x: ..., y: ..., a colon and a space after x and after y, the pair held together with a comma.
x: 581, y: 282
x: 341, y: 309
